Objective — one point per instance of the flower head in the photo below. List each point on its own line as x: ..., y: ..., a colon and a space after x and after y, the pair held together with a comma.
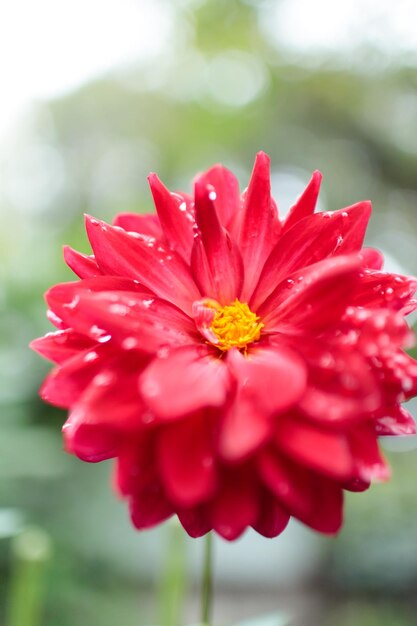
x: 238, y: 367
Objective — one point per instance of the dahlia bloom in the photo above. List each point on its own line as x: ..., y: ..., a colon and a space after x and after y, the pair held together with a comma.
x: 238, y: 367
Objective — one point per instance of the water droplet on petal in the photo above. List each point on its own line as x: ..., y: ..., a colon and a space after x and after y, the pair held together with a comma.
x: 407, y: 384
x: 90, y: 356
x: 119, y: 309
x: 130, y: 343
x: 99, y: 334
x: 73, y: 304
x: 104, y: 379
x: 59, y: 337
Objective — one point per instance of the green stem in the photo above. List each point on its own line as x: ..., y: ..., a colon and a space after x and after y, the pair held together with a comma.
x: 172, y: 587
x: 31, y: 551
x: 207, y: 582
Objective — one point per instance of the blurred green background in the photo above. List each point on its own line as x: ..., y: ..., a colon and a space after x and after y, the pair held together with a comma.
x: 95, y: 97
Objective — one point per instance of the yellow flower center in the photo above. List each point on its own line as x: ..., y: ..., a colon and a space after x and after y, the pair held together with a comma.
x: 235, y: 325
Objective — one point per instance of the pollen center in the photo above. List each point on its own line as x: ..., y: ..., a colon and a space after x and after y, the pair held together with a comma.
x: 235, y: 326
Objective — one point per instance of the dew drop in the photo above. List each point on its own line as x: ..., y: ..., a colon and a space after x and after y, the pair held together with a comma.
x: 73, y: 304
x: 130, y: 343
x: 99, y: 334
x: 59, y: 337
x: 148, y: 303
x: 90, y: 356
x: 407, y: 384
x: 104, y: 379
x: 345, y: 214
x: 212, y: 195
x: 119, y: 309
x: 183, y: 207
x: 327, y: 360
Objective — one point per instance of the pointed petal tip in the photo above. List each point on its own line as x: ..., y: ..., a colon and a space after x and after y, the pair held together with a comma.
x: 33, y: 345
x: 262, y: 162
x: 262, y: 156
x: 154, y: 181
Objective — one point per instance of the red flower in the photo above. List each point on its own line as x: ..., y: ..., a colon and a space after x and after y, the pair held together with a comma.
x: 239, y: 367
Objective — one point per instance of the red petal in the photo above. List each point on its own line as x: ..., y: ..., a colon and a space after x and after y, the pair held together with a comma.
x: 135, y: 223
x: 108, y: 409
x: 227, y: 200
x: 196, y: 521
x: 268, y: 382
x: 61, y: 345
x: 64, y: 295
x: 145, y: 259
x: 236, y: 506
x: 379, y: 289
x: 177, y: 221
x: 356, y: 485
x: 112, y: 399
x: 372, y: 259
x: 397, y: 422
x: 186, y: 460
x: 306, y: 203
x: 187, y: 380
x: 321, y: 450
x: 315, y: 500
x: 89, y: 443
x: 150, y: 507
x: 311, y: 240
x: 215, y: 261
x: 313, y: 301
x: 272, y: 519
x: 370, y: 465
x: 136, y: 464
x: 341, y: 385
x: 260, y: 225
x: 132, y: 320
x: 82, y: 265
x: 66, y: 383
